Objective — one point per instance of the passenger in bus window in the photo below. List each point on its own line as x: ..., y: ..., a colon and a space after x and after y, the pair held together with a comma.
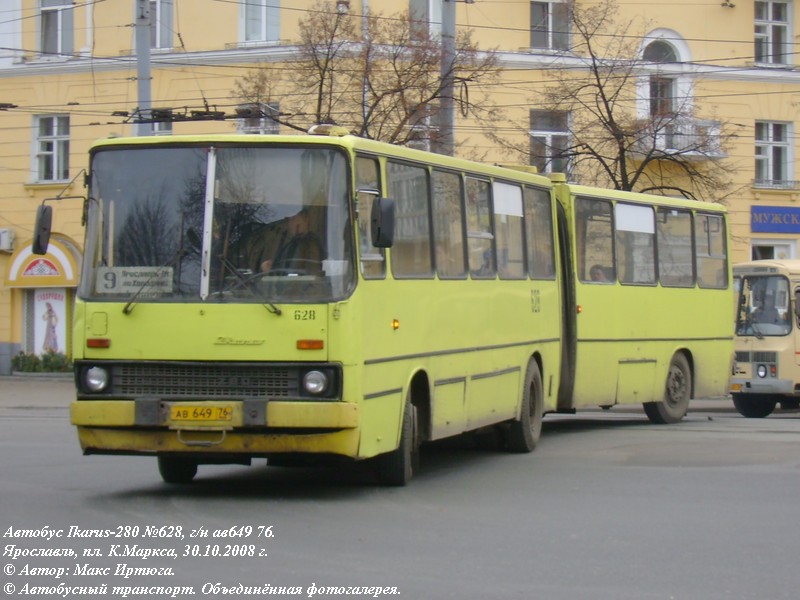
x: 598, y: 273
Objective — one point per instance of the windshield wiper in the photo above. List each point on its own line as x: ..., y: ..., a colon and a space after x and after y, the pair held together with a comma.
x: 245, y: 282
x: 179, y: 255
x: 750, y: 324
x: 128, y: 308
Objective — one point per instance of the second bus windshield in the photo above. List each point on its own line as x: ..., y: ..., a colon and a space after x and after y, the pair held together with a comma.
x: 764, y: 308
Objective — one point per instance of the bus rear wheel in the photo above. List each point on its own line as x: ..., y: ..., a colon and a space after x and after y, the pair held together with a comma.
x: 754, y: 406
x: 396, y: 468
x: 677, y: 393
x: 177, y: 470
x: 522, y: 435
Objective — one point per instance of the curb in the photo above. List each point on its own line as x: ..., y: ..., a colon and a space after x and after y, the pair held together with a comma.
x: 47, y: 376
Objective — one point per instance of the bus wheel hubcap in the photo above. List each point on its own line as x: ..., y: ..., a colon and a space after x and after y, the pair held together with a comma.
x: 677, y: 385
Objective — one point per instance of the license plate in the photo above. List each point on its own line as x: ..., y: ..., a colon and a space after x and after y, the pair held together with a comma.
x: 200, y: 413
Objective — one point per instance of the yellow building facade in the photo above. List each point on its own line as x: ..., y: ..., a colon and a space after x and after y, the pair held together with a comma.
x: 70, y: 71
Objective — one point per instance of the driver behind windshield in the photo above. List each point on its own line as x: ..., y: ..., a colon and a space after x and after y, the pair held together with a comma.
x: 298, y: 249
x: 767, y: 313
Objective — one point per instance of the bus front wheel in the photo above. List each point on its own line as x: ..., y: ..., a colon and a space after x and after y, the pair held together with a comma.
x: 396, y: 468
x: 754, y: 406
x: 523, y: 434
x: 177, y: 470
x: 677, y: 393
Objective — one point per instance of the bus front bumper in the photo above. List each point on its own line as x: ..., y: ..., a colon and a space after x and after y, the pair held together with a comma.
x: 762, y: 386
x: 235, y: 427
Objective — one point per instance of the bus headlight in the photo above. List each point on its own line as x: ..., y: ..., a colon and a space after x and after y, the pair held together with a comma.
x: 315, y: 382
x: 762, y: 371
x: 95, y: 379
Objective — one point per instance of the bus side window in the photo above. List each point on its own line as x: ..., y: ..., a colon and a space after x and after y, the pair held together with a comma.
x: 635, y: 234
x: 711, y: 254
x: 797, y: 305
x: 479, y: 230
x: 674, y: 242
x: 448, y: 225
x: 411, y: 252
x: 593, y: 238
x: 539, y: 233
x: 373, y: 260
x: 508, y: 230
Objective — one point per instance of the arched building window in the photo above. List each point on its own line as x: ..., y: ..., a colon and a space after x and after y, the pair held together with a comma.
x: 667, y: 90
x: 665, y: 98
x: 662, y: 88
x: 660, y: 51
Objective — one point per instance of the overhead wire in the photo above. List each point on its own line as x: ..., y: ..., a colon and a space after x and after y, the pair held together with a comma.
x: 214, y: 69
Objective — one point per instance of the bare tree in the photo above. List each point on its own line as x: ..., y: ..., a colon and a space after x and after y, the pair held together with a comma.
x: 628, y: 124
x: 378, y: 76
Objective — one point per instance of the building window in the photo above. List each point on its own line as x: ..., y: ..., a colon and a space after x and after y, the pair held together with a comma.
x: 162, y: 128
x: 52, y: 148
x: 662, y: 96
x: 773, y: 249
x: 421, y: 124
x: 549, y: 141
x: 161, y: 23
x: 258, y: 118
x: 772, y: 34
x: 56, y: 28
x: 550, y: 25
x: 426, y: 16
x: 773, y: 154
x: 261, y: 20
x: 662, y: 89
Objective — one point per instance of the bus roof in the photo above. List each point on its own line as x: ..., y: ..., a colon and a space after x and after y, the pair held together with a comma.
x: 581, y: 190
x: 350, y: 142
x: 358, y: 144
x: 764, y: 267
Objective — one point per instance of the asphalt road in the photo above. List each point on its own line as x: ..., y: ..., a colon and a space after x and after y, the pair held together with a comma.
x: 607, y: 507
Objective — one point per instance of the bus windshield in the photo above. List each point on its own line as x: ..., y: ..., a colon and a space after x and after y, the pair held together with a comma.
x: 218, y: 224
x: 763, y: 308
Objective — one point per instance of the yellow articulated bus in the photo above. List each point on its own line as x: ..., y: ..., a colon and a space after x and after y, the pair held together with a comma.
x: 644, y: 272
x: 767, y: 367
x: 326, y: 296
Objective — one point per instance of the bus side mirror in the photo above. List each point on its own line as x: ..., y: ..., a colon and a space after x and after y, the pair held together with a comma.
x: 382, y: 222
x: 41, y: 232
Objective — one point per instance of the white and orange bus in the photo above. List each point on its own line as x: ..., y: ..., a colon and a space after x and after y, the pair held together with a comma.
x: 766, y: 370
x: 321, y: 296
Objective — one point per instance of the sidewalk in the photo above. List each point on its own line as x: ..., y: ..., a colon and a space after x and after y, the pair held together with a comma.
x: 37, y: 391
